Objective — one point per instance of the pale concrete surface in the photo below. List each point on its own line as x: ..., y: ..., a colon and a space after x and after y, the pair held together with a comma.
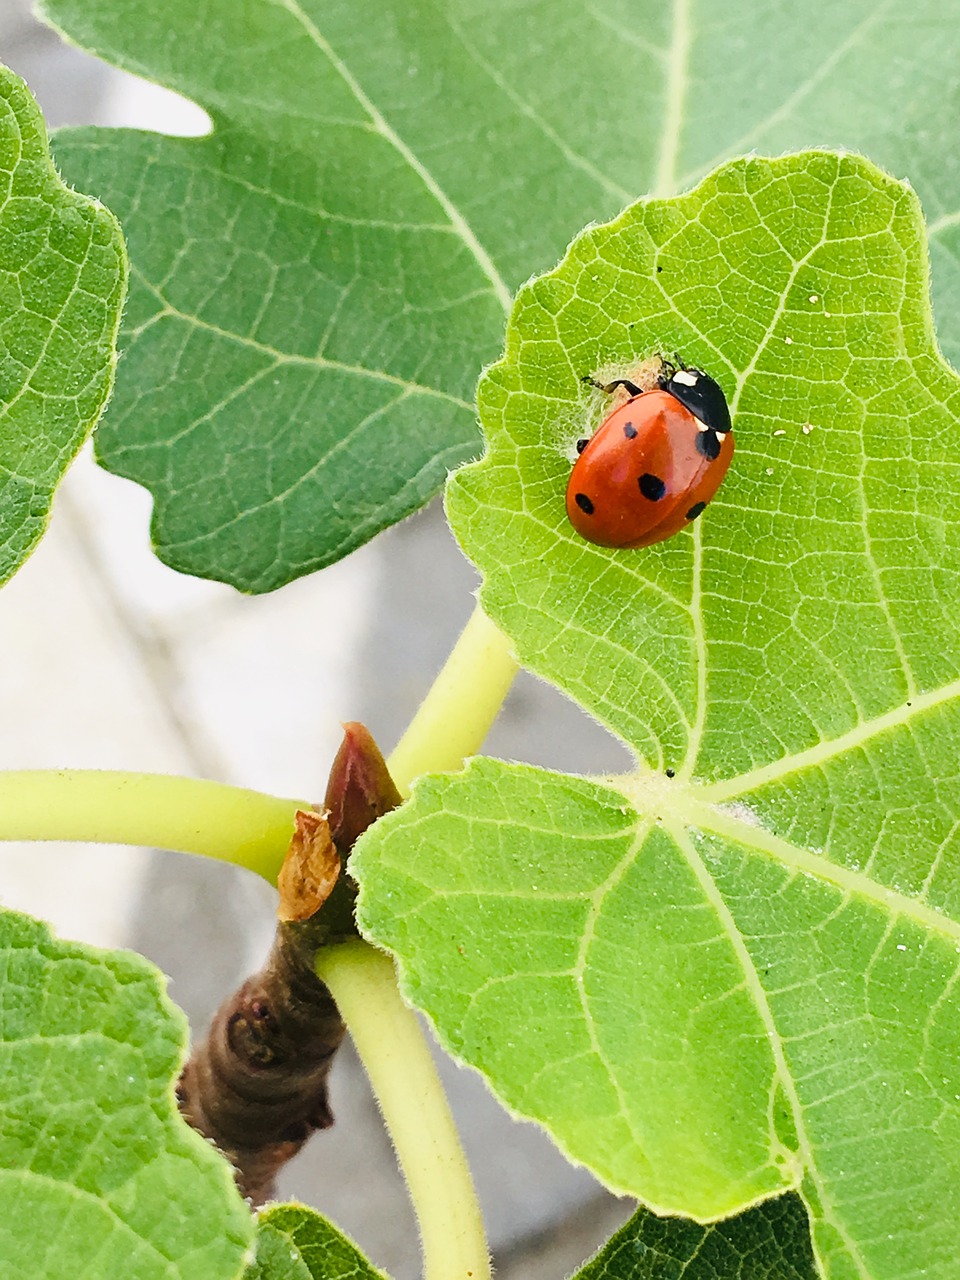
x: 112, y: 660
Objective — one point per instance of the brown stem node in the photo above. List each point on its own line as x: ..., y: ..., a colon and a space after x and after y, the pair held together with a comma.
x: 257, y: 1086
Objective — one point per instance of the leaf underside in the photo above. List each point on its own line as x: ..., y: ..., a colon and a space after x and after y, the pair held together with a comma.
x: 735, y: 977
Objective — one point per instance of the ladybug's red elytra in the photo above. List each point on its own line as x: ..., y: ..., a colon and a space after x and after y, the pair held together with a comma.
x: 654, y: 463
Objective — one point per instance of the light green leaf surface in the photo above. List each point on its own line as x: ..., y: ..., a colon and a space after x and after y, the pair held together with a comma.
x: 296, y: 1243
x: 317, y: 285
x: 62, y: 274
x: 818, y: 591
x: 99, y: 1176
x: 770, y: 1242
x: 740, y: 978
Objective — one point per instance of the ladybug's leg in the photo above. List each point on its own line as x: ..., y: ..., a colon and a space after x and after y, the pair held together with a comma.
x: 627, y: 385
x: 611, y: 387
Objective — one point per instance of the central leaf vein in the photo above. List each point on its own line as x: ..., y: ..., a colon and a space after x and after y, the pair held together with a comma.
x: 457, y: 219
x: 749, y: 835
x: 675, y: 91
x: 758, y: 995
x: 700, y: 658
x: 828, y: 750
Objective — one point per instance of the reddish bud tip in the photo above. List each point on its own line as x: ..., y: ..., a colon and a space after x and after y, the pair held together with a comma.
x: 360, y: 789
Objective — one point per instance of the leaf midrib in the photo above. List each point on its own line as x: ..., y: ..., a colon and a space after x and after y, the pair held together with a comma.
x: 692, y: 810
x: 676, y: 81
x: 758, y: 996
x: 828, y: 750
x: 457, y: 220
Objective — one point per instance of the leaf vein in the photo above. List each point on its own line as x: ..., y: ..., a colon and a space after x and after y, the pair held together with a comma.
x: 572, y: 157
x: 675, y: 91
x: 775, y: 1040
x: 827, y: 750
x: 457, y: 219
x: 290, y: 358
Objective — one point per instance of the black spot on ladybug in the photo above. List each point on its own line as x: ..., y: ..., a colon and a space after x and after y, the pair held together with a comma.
x: 584, y: 503
x: 652, y: 487
x: 708, y: 444
x: 581, y: 445
x: 696, y: 510
x: 630, y: 431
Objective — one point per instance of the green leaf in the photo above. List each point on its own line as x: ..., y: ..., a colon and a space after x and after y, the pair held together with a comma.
x: 740, y: 978
x: 62, y: 277
x: 308, y: 310
x: 769, y: 1242
x: 318, y: 283
x: 296, y: 1243
x: 801, y: 285
x: 99, y: 1176
x: 537, y: 917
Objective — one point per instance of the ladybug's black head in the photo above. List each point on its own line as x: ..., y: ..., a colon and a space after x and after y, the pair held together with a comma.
x: 698, y: 392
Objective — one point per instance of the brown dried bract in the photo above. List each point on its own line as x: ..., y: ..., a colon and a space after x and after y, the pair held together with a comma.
x: 310, y: 869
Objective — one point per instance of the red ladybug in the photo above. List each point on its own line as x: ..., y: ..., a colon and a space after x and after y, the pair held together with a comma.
x: 654, y: 463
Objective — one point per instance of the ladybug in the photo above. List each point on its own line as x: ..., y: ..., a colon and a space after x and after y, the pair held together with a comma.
x: 654, y: 463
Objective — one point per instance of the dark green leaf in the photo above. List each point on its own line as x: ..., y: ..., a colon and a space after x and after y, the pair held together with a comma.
x: 296, y: 1243
x: 769, y: 1242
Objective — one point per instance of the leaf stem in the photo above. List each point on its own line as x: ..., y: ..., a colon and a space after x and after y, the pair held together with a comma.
x: 456, y: 715
x: 398, y: 1061
x: 451, y: 724
x: 232, y: 824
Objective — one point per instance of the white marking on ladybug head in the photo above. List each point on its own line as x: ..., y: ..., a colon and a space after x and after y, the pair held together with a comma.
x: 701, y: 426
x: 721, y: 436
x: 685, y: 378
